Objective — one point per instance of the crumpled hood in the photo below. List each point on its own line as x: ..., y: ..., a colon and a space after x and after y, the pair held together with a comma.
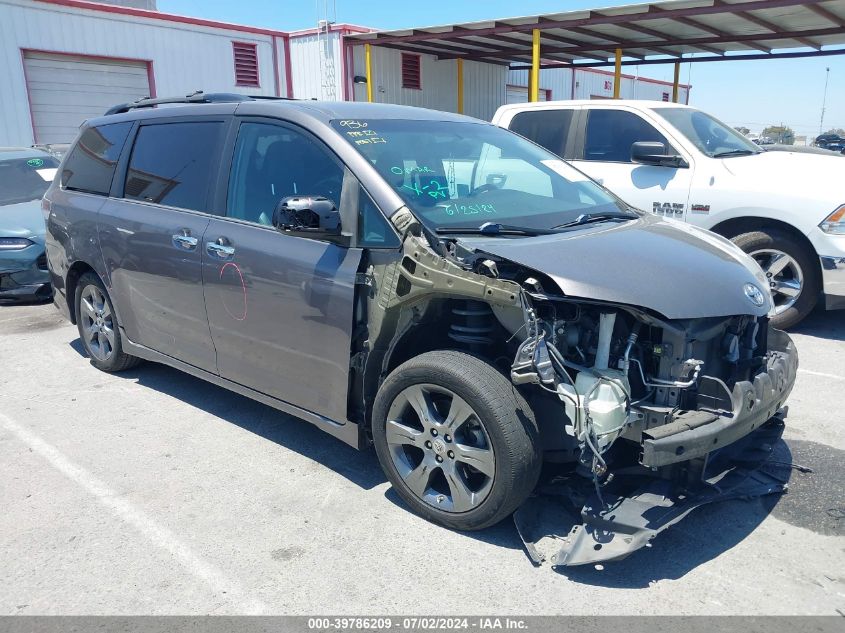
x: 23, y: 219
x: 675, y: 269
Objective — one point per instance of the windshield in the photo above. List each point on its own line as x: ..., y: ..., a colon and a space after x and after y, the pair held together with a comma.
x: 24, y: 179
x: 708, y: 134
x: 463, y: 174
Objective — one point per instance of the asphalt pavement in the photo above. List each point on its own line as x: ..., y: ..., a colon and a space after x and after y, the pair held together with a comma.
x: 152, y: 492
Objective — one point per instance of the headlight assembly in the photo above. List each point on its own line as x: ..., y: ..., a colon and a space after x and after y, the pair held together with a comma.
x: 834, y: 224
x: 14, y: 243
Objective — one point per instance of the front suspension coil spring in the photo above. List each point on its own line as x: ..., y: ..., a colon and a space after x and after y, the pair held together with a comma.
x: 472, y: 324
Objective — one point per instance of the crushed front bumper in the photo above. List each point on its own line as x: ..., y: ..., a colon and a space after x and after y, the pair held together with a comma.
x: 612, y: 527
x: 726, y: 415
x: 692, y: 459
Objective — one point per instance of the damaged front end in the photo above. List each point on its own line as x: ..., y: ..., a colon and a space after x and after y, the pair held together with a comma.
x: 648, y: 417
x: 663, y: 416
x: 652, y: 417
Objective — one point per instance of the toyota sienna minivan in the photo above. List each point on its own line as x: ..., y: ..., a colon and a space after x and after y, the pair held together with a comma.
x: 431, y: 284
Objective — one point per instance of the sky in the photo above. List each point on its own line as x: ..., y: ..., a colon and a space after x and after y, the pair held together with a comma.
x: 751, y: 93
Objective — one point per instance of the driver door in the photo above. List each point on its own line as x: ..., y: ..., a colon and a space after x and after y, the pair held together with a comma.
x: 605, y: 156
x: 279, y: 307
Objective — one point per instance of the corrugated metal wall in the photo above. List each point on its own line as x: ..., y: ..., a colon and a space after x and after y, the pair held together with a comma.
x: 559, y: 81
x: 314, y: 74
x: 185, y: 57
x: 438, y: 79
x: 595, y: 84
x: 484, y: 89
x: 484, y: 84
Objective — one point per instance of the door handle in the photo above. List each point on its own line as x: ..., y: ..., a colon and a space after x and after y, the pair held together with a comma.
x: 216, y: 249
x: 184, y: 241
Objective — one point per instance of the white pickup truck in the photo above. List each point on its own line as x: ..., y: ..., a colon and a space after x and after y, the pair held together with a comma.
x: 787, y: 210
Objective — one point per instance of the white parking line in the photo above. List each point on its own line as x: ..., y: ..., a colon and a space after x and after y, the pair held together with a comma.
x: 160, y: 536
x: 822, y: 374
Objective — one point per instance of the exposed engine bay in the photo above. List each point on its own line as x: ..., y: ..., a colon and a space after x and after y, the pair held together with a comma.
x: 637, y: 407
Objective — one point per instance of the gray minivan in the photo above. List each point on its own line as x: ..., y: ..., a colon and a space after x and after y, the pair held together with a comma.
x: 431, y: 284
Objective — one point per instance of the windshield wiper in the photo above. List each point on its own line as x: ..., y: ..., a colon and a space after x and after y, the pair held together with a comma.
x: 589, y: 218
x: 492, y: 228
x: 735, y: 152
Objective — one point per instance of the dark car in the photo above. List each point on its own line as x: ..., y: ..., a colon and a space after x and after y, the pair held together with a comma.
x: 832, y: 142
x: 801, y: 149
x: 25, y: 174
x: 433, y: 285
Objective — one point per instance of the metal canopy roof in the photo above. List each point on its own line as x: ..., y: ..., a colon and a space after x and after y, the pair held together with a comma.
x: 642, y: 31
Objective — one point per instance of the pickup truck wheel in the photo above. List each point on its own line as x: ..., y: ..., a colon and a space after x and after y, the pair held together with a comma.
x: 456, y: 440
x: 791, y: 270
x: 98, y: 328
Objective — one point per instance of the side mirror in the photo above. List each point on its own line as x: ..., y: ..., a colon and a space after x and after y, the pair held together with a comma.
x: 654, y: 153
x: 316, y: 217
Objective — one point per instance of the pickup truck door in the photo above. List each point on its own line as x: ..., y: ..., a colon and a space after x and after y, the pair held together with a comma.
x: 603, y: 152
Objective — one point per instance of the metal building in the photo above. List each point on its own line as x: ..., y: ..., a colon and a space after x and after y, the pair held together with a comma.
x: 62, y: 61
x: 422, y: 80
x: 590, y: 83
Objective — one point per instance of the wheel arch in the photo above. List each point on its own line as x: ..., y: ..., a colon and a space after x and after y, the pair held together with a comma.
x: 74, y: 273
x: 737, y: 226
x: 413, y: 337
x: 410, y: 343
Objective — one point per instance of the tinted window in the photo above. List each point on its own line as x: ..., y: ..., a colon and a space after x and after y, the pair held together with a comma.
x: 90, y: 165
x: 23, y: 179
x: 610, y: 134
x: 171, y: 164
x: 548, y: 128
x: 273, y: 162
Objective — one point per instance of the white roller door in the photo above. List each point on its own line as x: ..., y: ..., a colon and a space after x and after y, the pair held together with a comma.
x: 519, y: 94
x: 64, y: 90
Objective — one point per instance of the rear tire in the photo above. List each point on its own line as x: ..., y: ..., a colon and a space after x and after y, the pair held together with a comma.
x: 457, y: 441
x: 98, y: 326
x: 789, y: 266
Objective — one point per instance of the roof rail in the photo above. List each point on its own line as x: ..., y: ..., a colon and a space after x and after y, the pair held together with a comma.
x: 195, y: 97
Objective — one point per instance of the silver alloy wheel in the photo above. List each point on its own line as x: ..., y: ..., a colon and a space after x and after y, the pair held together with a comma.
x: 97, y: 322
x: 440, y: 448
x: 784, y: 275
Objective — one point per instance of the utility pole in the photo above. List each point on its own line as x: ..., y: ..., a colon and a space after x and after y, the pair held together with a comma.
x: 824, y: 99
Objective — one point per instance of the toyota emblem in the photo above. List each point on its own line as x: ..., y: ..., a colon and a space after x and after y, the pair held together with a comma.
x: 755, y: 295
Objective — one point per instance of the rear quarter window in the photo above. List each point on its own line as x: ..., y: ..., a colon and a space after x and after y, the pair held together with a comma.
x: 172, y: 163
x: 90, y: 165
x: 549, y: 128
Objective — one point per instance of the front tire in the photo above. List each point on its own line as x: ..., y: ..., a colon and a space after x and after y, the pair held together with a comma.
x: 456, y: 440
x: 792, y: 272
x: 98, y: 327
